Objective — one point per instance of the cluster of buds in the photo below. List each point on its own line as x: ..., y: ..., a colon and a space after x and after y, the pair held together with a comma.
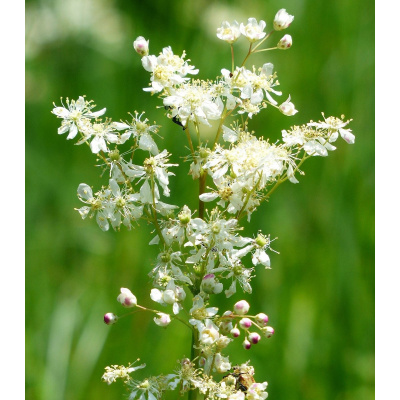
x: 246, y: 322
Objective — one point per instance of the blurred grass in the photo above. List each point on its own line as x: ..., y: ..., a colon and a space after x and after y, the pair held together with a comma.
x: 320, y: 292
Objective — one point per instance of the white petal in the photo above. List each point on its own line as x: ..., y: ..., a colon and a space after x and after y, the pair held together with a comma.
x: 85, y: 191
x: 208, y: 196
x: 156, y: 295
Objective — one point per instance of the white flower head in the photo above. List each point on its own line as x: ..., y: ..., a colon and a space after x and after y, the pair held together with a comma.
x: 119, y: 372
x: 229, y: 32
x: 74, y: 114
x: 253, y: 31
x: 282, y: 20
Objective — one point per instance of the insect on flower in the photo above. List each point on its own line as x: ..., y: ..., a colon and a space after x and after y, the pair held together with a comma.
x: 241, y: 377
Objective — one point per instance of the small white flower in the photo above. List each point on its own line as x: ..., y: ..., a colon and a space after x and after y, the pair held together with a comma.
x: 221, y: 363
x: 287, y: 108
x: 74, y: 114
x: 282, y: 20
x: 227, y: 32
x: 253, y: 31
x: 119, y: 372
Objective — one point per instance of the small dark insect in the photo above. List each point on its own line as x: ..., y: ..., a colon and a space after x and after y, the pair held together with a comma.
x: 230, y: 74
x: 241, y: 380
x: 176, y: 119
x: 178, y: 122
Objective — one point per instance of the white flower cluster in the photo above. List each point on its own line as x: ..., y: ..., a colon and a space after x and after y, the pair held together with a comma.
x: 201, y: 252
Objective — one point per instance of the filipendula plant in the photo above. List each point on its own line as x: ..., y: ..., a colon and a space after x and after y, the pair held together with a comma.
x: 201, y: 253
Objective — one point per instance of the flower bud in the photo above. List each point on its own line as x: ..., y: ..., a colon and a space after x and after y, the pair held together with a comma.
x: 110, y: 318
x: 287, y: 108
x: 246, y: 344
x: 141, y: 46
x: 268, y: 331
x: 241, y: 307
x: 126, y: 298
x: 254, y: 337
x: 162, y: 319
x: 245, y: 323
x: 285, y: 42
x: 210, y: 286
x: 235, y: 332
x: 262, y: 319
x: 282, y: 20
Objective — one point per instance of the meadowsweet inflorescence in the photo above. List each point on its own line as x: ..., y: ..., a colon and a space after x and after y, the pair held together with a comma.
x: 201, y: 252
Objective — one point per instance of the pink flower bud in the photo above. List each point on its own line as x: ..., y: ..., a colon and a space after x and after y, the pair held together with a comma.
x: 110, y: 318
x: 241, y: 307
x: 246, y: 344
x: 268, y: 331
x: 285, y: 42
x: 245, y: 323
x: 162, y: 319
x: 262, y: 319
x: 141, y: 46
x: 126, y: 298
x: 235, y: 332
x: 254, y: 337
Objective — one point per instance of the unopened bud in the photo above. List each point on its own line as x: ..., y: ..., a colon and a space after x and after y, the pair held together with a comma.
x: 262, y: 319
x: 285, y: 42
x: 268, y: 331
x: 254, y: 337
x: 126, y: 298
x: 141, y: 46
x: 241, y: 307
x: 162, y: 319
x: 246, y: 344
x: 245, y: 323
x: 282, y: 20
x: 110, y: 318
x: 235, y: 332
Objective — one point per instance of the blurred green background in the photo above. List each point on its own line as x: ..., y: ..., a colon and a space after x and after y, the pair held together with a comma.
x: 319, y: 294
